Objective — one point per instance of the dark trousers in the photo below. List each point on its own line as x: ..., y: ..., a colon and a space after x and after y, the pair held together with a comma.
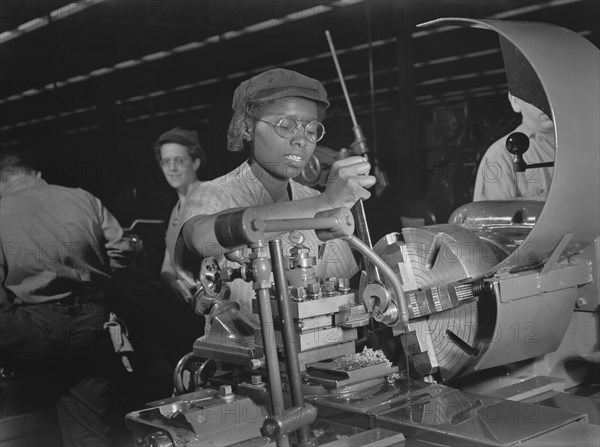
x: 163, y: 329
x: 71, y: 341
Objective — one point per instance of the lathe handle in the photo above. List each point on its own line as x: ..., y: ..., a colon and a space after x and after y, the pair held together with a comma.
x: 517, y: 144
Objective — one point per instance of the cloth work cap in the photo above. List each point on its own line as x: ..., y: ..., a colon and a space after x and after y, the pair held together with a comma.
x: 523, y: 82
x: 187, y: 138
x: 265, y: 87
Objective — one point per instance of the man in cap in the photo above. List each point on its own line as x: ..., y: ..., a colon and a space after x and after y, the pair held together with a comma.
x: 495, y: 177
x: 277, y: 121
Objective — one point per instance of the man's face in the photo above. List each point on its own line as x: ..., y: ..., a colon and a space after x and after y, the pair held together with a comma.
x: 532, y: 116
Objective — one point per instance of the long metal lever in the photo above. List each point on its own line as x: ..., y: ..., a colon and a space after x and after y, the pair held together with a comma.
x: 359, y: 146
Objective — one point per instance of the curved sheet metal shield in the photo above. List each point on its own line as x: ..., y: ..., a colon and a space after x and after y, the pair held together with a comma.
x: 568, y: 66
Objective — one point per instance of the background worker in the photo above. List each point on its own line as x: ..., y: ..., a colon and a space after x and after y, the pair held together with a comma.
x: 58, y: 246
x: 181, y: 157
x: 495, y: 177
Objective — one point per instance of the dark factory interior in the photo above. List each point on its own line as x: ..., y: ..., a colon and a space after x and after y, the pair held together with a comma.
x: 88, y: 86
x: 92, y: 89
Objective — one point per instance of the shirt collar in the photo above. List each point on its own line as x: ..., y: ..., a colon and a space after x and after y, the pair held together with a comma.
x: 539, y: 136
x: 255, y: 186
x: 28, y: 181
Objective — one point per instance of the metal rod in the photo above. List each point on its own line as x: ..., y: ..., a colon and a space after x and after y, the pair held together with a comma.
x: 146, y: 221
x: 362, y: 230
x: 360, y: 148
x: 261, y: 267
x: 371, y: 78
x: 547, y: 164
x: 389, y: 274
x: 339, y: 71
x: 288, y: 333
x: 268, y: 335
x: 312, y: 223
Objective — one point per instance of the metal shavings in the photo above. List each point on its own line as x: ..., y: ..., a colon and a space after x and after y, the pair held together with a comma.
x: 392, y: 378
x: 368, y: 357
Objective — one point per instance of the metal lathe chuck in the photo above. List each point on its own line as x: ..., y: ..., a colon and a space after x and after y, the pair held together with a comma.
x: 448, y: 324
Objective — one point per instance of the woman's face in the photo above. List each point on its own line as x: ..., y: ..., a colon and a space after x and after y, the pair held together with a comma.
x: 284, y: 158
x: 177, y: 165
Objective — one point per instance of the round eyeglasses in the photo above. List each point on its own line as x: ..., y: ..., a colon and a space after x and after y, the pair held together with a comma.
x: 288, y: 126
x: 177, y: 161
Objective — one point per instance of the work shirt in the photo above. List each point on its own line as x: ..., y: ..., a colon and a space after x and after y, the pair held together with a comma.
x: 171, y: 233
x: 496, y: 179
x: 174, y: 220
x: 239, y: 189
x: 54, y: 240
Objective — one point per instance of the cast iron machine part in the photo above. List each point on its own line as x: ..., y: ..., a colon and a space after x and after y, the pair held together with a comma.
x: 246, y: 227
x: 526, y: 242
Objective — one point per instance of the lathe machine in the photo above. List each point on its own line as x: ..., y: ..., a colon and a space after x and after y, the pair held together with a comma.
x: 482, y: 331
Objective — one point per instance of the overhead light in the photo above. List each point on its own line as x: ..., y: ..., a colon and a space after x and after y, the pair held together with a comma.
x: 58, y: 14
x: 128, y: 64
x: 101, y: 71
x: 501, y: 15
x: 531, y: 8
x: 292, y: 17
x: 32, y: 25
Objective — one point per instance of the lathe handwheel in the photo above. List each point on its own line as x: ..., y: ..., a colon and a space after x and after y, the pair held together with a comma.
x: 191, y: 364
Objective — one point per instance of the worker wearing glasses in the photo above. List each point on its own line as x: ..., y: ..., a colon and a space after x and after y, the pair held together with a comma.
x: 278, y: 121
x: 181, y: 158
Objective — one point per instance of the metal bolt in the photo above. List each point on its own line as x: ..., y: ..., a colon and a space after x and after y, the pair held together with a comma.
x: 256, y: 379
x: 226, y: 393
x: 298, y: 294
x: 314, y: 287
x: 225, y: 390
x: 257, y: 363
x: 581, y: 302
x: 318, y: 432
x: 329, y: 286
x: 314, y: 290
x: 343, y: 285
x: 158, y: 439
